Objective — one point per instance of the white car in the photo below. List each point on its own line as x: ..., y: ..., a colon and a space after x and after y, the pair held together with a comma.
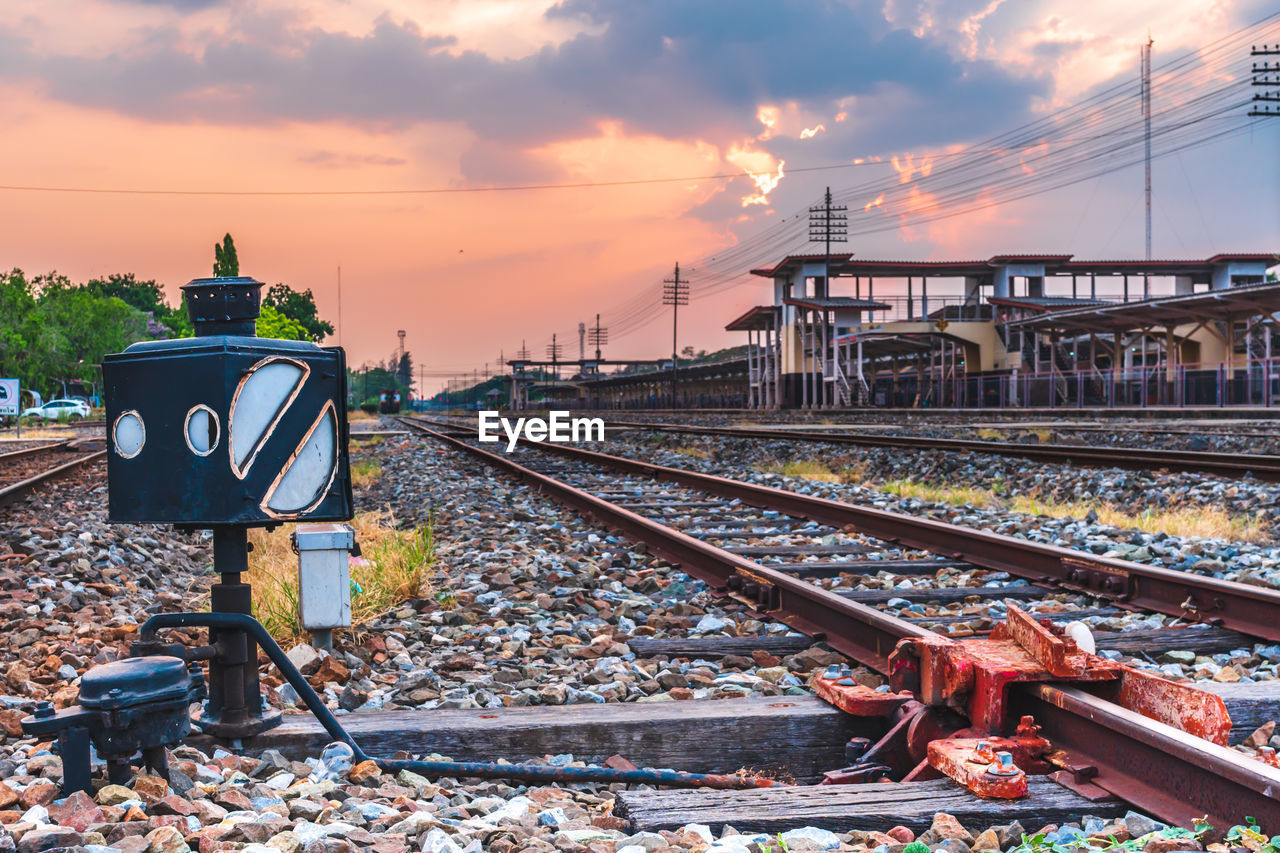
x: 54, y: 410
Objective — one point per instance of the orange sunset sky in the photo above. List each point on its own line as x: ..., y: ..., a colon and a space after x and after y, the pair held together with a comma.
x: 378, y: 95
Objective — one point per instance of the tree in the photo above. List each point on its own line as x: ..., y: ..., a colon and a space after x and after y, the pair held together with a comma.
x: 225, y: 262
x: 273, y: 324
x: 148, y: 297
x: 144, y: 295
x: 23, y: 337
x: 404, y: 370
x: 83, y: 327
x: 299, y: 307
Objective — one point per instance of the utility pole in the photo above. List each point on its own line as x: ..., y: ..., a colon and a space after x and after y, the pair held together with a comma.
x: 553, y: 352
x: 1266, y: 74
x: 598, y: 336
x: 828, y: 223
x: 675, y: 292
x: 1146, y: 121
x: 582, y: 342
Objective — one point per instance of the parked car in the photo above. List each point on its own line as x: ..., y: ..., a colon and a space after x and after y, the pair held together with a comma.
x: 57, y: 410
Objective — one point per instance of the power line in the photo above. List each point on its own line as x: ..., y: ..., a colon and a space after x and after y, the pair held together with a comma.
x: 720, y: 176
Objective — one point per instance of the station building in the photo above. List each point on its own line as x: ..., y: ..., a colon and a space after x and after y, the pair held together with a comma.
x: 1013, y: 331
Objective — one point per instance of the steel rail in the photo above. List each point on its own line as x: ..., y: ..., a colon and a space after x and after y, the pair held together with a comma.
x: 1169, y: 773
x: 1115, y: 749
x: 13, y: 490
x: 1263, y: 467
x: 1250, y: 610
x: 863, y: 633
x: 11, y: 455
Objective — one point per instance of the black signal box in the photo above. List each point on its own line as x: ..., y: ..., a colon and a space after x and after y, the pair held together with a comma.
x: 226, y: 428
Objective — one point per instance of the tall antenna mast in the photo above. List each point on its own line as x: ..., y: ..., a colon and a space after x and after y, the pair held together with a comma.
x: 1146, y: 121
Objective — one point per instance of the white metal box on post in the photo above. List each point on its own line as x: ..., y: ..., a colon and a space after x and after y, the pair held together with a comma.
x: 324, y: 578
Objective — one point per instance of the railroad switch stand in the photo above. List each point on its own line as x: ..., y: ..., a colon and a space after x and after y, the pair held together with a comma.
x: 222, y: 431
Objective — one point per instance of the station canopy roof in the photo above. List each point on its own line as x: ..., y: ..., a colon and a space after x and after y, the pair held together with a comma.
x: 836, y: 303
x: 1054, y: 264
x: 1044, y: 303
x: 756, y: 319
x: 879, y: 342
x: 1231, y: 303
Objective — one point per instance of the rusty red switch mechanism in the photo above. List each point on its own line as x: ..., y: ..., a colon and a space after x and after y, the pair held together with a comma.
x: 948, y: 705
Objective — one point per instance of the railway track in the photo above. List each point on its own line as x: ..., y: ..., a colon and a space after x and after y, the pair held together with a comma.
x: 23, y: 470
x: 821, y: 567
x: 1266, y: 468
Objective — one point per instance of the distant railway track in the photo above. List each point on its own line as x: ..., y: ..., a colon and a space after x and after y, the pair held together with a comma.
x: 1217, y: 430
x: 696, y: 519
x: 23, y: 470
x: 1266, y: 468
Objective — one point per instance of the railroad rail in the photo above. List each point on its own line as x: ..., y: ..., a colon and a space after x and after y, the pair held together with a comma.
x: 1104, y: 747
x: 1265, y: 468
x: 23, y: 470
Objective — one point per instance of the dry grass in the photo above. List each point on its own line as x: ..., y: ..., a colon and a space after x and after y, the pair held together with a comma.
x: 809, y: 469
x: 938, y: 494
x: 364, y: 473
x: 856, y: 473
x: 394, y: 566
x: 1208, y: 522
x: 360, y: 415
x: 1042, y: 434
x: 695, y: 452
x: 366, y: 439
x: 39, y: 432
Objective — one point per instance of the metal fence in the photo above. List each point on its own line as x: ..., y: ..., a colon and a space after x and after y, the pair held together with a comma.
x: 1255, y: 382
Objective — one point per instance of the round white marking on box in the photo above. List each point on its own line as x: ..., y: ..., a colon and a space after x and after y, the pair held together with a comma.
x: 129, y: 435
x: 202, y: 430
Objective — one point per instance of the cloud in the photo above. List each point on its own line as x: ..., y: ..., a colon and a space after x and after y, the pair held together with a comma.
x: 335, y: 159
x: 180, y: 5
x: 662, y: 67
